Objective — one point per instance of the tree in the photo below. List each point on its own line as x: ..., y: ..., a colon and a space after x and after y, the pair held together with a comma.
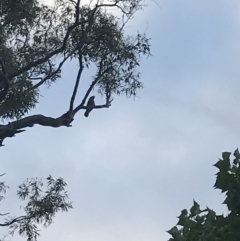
x: 41, y: 206
x: 37, y: 40
x: 204, y: 224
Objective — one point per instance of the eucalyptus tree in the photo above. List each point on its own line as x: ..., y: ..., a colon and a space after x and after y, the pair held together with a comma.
x: 39, y: 206
x: 37, y: 40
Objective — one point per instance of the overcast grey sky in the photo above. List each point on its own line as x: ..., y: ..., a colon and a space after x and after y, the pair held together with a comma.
x: 133, y: 167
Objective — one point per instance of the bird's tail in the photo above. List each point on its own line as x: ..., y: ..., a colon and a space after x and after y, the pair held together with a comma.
x: 86, y: 113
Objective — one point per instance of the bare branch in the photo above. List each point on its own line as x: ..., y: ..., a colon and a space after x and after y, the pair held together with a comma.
x: 77, y: 10
x: 107, y: 105
x: 3, y: 214
x: 79, y: 107
x: 76, y: 85
x: 78, y: 78
x: 8, y: 133
x: 15, y: 220
x: 18, y: 126
x: 73, y: 2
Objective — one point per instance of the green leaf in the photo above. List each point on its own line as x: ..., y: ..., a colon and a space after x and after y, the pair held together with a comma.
x: 195, y: 209
x: 226, y: 156
x: 222, y: 181
x: 183, y: 214
x: 237, y: 154
x: 174, y: 232
x: 211, y: 215
x: 223, y: 165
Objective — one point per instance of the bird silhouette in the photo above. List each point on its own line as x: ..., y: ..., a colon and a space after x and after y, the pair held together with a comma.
x: 89, y: 103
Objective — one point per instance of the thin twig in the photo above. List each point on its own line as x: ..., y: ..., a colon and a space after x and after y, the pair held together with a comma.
x: 3, y: 214
x: 48, y: 76
x: 15, y: 220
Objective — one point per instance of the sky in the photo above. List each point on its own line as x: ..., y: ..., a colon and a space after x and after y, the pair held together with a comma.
x: 132, y: 168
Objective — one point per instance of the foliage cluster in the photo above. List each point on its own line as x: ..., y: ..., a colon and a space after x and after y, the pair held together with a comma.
x: 40, y: 205
x: 38, y: 40
x: 204, y: 224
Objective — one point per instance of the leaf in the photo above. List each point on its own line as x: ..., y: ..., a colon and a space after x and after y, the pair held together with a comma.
x: 211, y: 215
x: 223, y: 165
x: 226, y: 156
x: 236, y: 154
x: 183, y: 214
x: 174, y: 232
x: 195, y: 209
x: 222, y: 181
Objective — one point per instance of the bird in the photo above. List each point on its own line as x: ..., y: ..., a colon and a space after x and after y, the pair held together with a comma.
x: 89, y: 103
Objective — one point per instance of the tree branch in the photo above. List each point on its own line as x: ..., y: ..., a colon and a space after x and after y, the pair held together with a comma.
x: 80, y: 106
x: 59, y: 50
x: 15, y: 220
x: 107, y: 75
x: 16, y: 127
x: 3, y: 67
x: 77, y: 80
x: 64, y: 44
x: 3, y: 214
x: 43, y: 80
